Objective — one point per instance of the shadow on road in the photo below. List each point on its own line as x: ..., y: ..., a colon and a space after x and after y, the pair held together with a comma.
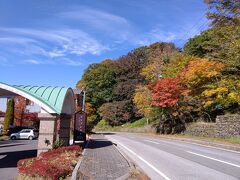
x: 107, y: 133
x: 10, y: 159
x: 99, y: 143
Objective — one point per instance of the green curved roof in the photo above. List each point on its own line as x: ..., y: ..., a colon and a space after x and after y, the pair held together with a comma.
x: 53, y: 97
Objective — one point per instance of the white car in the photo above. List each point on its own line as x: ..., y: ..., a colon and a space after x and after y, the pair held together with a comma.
x: 24, y: 134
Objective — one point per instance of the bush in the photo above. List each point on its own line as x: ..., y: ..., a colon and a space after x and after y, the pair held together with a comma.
x: 52, y: 164
x: 58, y: 144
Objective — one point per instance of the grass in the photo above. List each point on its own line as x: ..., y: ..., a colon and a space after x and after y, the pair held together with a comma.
x: 103, y: 126
x: 139, y: 123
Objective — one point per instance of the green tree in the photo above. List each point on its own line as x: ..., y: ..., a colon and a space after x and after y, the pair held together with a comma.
x: 98, y: 80
x: 177, y: 64
x: 219, y: 44
x: 9, y: 116
x: 224, y: 12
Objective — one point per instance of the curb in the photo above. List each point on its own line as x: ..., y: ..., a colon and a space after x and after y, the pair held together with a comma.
x: 75, y: 170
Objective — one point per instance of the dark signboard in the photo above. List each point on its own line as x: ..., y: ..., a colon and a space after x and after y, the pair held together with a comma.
x: 80, y: 126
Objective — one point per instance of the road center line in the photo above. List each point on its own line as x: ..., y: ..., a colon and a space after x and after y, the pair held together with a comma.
x: 142, y: 159
x: 151, y: 141
x: 214, y: 159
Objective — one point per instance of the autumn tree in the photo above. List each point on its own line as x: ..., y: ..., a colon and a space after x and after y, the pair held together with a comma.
x: 167, y: 92
x: 219, y: 44
x: 199, y: 76
x: 117, y: 113
x: 177, y: 64
x: 19, y: 109
x: 160, y: 55
x: 143, y: 101
x: 92, y: 116
x: 223, y: 95
x: 223, y: 12
x: 200, y: 72
x: 128, y: 73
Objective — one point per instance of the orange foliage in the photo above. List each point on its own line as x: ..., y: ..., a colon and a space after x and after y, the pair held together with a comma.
x: 201, y: 71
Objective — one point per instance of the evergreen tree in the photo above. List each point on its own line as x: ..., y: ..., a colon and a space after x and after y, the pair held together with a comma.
x: 9, y: 116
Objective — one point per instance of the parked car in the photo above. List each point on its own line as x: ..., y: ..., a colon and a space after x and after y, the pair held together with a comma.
x: 25, y: 134
x: 15, y: 129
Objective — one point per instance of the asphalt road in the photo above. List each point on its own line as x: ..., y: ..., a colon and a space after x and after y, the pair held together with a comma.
x: 176, y: 160
x: 10, y: 152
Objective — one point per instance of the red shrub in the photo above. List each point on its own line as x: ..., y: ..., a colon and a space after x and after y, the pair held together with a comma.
x: 51, y: 164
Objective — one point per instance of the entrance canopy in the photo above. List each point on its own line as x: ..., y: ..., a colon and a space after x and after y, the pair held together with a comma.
x: 54, y: 100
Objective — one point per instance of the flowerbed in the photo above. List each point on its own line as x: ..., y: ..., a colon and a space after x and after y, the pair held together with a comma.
x: 52, y: 164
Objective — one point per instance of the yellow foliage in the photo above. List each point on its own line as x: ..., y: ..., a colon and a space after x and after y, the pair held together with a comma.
x: 89, y: 109
x: 224, y: 92
x: 80, y: 84
x: 201, y: 70
x: 143, y: 99
x: 219, y: 90
x: 234, y: 96
x: 151, y: 72
x: 208, y: 103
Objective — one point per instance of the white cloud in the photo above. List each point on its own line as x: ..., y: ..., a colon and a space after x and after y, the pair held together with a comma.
x: 33, y: 61
x: 55, y: 42
x: 71, y: 62
x: 49, y: 44
x: 114, y: 25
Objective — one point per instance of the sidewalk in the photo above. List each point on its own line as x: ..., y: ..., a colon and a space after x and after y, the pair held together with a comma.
x: 102, y: 161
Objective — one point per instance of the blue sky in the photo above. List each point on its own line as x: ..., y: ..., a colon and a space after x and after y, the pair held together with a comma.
x: 51, y: 42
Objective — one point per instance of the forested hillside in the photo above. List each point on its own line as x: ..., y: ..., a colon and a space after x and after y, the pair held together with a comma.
x: 168, y: 85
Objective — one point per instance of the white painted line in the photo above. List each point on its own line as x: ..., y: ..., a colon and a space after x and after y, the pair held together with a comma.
x: 146, y: 162
x: 2, y: 156
x: 214, y: 159
x: 229, y: 150
x: 212, y: 147
x: 151, y: 141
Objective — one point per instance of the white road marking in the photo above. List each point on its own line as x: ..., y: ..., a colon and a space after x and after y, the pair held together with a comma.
x: 142, y: 159
x: 9, y: 145
x: 214, y: 159
x: 2, y: 156
x: 164, y: 140
x: 151, y: 141
x: 212, y: 147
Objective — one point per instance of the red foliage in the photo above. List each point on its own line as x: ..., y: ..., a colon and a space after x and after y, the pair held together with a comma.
x: 167, y: 92
x: 51, y: 164
x: 19, y: 109
x: 30, y: 116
